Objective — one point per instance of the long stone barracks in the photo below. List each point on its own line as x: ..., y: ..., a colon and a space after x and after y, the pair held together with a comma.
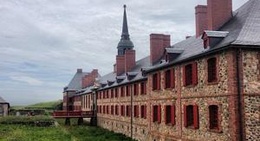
x: 206, y: 87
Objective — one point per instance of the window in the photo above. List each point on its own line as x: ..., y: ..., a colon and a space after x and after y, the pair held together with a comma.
x: 116, y: 109
x: 213, y: 117
x: 156, y: 81
x: 128, y: 110
x: 107, y: 94
x: 136, y: 89
x: 190, y: 74
x: 143, y: 88
x: 112, y: 93
x: 116, y: 92
x: 128, y: 90
x: 122, y: 91
x: 104, y: 95
x: 212, y: 70
x: 157, y: 113
x: 169, y: 112
x: 112, y: 109
x: 143, y: 111
x: 169, y: 78
x: 103, y: 109
x: 107, y: 109
x: 122, y: 110
x: 136, y: 111
x: 191, y: 116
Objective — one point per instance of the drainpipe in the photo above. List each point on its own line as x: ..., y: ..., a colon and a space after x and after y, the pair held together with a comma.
x: 131, y: 112
x: 239, y: 103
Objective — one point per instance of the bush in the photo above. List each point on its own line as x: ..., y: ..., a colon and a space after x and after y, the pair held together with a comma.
x: 40, y: 121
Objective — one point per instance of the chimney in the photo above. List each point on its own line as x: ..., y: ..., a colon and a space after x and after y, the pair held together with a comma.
x: 120, y: 64
x: 158, y: 42
x: 219, y: 12
x: 201, y: 19
x: 89, y: 79
x: 129, y: 60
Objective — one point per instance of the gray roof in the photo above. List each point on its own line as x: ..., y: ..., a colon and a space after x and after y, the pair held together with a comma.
x: 2, y: 100
x: 76, y: 82
x: 142, y: 63
x: 242, y: 29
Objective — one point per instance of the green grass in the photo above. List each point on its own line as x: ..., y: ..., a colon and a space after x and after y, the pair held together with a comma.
x: 31, y: 133
x: 44, y: 105
x: 10, y: 132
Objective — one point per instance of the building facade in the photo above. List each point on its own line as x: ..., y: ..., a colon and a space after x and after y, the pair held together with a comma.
x: 206, y: 87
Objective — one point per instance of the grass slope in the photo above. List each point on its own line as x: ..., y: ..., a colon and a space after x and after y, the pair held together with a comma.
x: 44, y: 105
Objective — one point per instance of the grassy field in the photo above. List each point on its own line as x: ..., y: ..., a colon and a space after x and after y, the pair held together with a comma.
x: 60, y: 132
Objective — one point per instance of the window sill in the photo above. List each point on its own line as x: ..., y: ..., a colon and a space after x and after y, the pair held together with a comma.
x: 215, y: 130
x: 213, y: 82
x: 190, y: 86
x: 169, y: 124
x: 192, y: 127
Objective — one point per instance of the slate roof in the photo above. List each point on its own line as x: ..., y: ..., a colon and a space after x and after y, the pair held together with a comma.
x: 76, y: 82
x: 2, y: 101
x: 140, y: 64
x: 242, y: 29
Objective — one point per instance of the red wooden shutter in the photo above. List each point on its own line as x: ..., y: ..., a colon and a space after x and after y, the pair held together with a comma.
x: 172, y: 78
x: 173, y: 114
x: 152, y: 111
x: 165, y: 113
x: 144, y: 88
x: 194, y: 73
x: 196, y: 116
x: 159, y: 80
x: 184, y: 76
x: 137, y: 111
x: 145, y: 111
x: 159, y: 113
x: 185, y: 115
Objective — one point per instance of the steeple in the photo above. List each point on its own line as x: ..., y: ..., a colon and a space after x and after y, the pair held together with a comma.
x: 125, y: 43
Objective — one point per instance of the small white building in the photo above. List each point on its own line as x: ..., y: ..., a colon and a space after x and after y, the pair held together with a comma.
x: 4, y: 107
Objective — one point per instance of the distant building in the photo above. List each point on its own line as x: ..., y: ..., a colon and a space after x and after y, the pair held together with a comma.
x: 206, y: 87
x: 4, y: 107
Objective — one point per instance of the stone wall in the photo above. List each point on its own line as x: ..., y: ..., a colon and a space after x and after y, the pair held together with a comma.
x: 203, y: 94
x: 122, y: 124
x: 251, y: 90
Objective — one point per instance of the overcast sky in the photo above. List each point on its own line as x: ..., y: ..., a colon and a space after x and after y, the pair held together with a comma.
x: 43, y: 42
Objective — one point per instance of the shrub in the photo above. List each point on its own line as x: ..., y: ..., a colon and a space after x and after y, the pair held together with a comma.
x: 41, y: 121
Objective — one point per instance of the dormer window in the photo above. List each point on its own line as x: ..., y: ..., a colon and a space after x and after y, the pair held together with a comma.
x: 212, y: 38
x: 172, y: 53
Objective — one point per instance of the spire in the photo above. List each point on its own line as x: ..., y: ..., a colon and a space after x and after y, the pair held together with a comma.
x: 125, y: 42
x: 125, y: 34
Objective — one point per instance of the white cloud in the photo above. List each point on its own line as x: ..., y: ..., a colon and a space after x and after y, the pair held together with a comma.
x: 27, y: 79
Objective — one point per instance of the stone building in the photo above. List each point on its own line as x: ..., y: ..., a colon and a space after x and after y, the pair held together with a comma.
x: 4, y: 107
x: 206, y: 87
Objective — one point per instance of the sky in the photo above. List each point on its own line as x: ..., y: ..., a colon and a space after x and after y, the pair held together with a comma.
x: 43, y: 42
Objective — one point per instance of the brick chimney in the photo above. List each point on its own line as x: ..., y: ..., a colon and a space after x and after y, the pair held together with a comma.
x: 89, y: 79
x: 158, y: 42
x: 120, y: 64
x: 129, y: 60
x: 201, y: 19
x: 125, y: 63
x: 219, y: 12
